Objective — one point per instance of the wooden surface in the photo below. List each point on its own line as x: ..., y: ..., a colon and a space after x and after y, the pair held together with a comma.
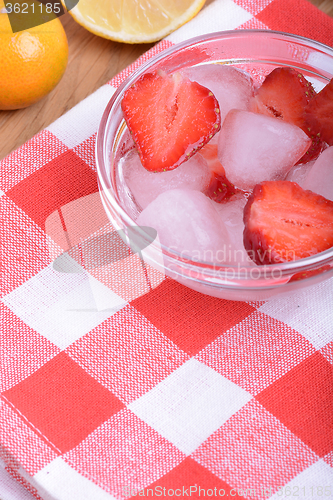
x: 92, y: 62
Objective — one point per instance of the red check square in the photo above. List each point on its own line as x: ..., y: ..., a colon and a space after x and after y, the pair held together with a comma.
x: 189, y: 479
x: 303, y: 401
x: 63, y: 179
x: 191, y: 320
x: 256, y: 352
x: 253, y: 451
x: 63, y: 402
x: 291, y: 16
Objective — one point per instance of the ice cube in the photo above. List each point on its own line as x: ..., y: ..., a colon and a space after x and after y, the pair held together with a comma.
x: 320, y: 178
x: 231, y: 214
x: 186, y: 221
x: 232, y: 87
x: 298, y: 173
x: 146, y: 186
x: 254, y: 148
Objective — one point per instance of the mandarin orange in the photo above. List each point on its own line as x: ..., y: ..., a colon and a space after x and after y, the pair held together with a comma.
x: 32, y: 61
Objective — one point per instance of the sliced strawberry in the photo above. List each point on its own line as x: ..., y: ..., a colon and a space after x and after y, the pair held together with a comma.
x: 283, y: 222
x: 220, y: 189
x: 170, y: 118
x: 314, y: 150
x: 209, y: 152
x: 319, y: 114
x: 309, y: 274
x: 284, y: 94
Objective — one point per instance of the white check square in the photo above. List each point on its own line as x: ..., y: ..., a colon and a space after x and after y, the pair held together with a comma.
x: 63, y: 306
x: 82, y: 122
x: 59, y: 480
x: 190, y: 404
x: 207, y: 21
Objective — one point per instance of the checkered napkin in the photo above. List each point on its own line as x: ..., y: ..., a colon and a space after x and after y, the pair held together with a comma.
x: 139, y: 386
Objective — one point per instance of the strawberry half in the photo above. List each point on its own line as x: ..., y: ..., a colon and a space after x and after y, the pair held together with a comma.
x: 319, y: 114
x: 170, y: 118
x: 284, y: 94
x: 209, y: 152
x: 220, y: 189
x: 310, y: 274
x: 283, y: 222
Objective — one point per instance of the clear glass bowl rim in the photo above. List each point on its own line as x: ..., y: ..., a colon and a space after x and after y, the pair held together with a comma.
x: 102, y: 155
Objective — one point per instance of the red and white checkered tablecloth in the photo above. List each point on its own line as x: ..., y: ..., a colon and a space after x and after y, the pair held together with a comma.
x: 117, y: 390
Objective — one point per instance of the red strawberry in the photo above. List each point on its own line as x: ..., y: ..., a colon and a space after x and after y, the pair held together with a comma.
x: 283, y: 222
x: 314, y: 150
x: 319, y: 114
x: 170, y: 118
x: 309, y: 274
x: 220, y: 189
x: 209, y: 152
x: 285, y: 93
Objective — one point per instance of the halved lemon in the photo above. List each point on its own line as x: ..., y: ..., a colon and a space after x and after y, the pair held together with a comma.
x: 134, y: 21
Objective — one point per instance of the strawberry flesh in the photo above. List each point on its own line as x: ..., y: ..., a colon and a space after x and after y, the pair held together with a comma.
x: 170, y: 118
x: 284, y: 94
x: 209, y: 152
x: 220, y: 188
x: 310, y: 274
x: 314, y: 150
x: 319, y: 114
x: 283, y: 222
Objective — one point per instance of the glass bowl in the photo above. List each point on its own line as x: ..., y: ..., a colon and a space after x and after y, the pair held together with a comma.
x: 258, y: 52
